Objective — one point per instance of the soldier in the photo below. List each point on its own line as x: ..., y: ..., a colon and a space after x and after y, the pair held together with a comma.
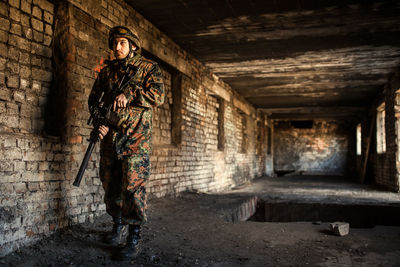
x: 125, y: 150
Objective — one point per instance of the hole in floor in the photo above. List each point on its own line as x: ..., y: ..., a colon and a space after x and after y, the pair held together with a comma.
x: 283, y: 172
x: 357, y: 215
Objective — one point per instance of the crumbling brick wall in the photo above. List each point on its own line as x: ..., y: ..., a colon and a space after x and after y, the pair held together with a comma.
x: 320, y: 149
x: 385, y: 166
x: 31, y: 165
x: 49, y: 56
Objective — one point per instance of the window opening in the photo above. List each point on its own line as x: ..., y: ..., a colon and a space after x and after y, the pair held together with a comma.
x: 242, y: 133
x: 380, y: 130
x: 173, y: 105
x: 269, y: 140
x: 221, y: 122
x: 259, y: 138
x: 358, y: 139
x: 306, y: 124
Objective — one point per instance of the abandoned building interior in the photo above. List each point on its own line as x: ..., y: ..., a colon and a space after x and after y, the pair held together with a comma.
x: 254, y: 90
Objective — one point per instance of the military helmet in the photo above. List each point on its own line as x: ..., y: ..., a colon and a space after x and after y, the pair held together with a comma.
x: 121, y: 31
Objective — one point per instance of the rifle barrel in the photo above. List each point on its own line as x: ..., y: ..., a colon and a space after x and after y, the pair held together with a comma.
x: 84, y: 164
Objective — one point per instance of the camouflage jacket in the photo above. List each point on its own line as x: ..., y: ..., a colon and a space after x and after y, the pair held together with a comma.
x: 144, y: 91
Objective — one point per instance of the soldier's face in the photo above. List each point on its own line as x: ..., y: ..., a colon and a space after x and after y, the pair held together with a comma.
x: 121, y: 48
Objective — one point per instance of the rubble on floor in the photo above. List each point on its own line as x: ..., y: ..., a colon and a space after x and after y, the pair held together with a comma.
x: 193, y: 230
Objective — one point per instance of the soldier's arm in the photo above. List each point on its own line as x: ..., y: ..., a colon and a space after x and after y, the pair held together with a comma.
x: 95, y: 93
x: 153, y: 90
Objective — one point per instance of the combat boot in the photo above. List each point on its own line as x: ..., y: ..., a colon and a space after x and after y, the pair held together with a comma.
x: 114, y: 237
x: 131, y: 248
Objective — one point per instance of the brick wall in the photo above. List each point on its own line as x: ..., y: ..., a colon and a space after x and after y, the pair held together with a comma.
x: 380, y: 167
x: 321, y: 149
x: 31, y: 166
x: 385, y: 166
x: 383, y: 169
x: 49, y: 56
x: 163, y: 115
x: 264, y: 145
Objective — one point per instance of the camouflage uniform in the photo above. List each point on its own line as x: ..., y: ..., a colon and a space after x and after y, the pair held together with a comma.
x: 125, y: 151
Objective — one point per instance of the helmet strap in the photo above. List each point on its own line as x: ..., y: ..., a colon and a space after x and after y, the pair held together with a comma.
x: 131, y: 50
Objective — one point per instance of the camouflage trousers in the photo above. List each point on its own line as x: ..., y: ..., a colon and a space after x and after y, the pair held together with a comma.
x: 124, y: 182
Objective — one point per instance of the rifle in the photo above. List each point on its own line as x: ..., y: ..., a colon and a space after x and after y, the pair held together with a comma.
x: 101, y: 114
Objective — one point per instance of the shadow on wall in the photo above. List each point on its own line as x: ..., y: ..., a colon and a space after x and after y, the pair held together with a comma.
x: 63, y: 51
x: 55, y: 119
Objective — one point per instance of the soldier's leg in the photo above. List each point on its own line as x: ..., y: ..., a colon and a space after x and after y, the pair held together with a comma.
x: 136, y: 170
x: 111, y: 178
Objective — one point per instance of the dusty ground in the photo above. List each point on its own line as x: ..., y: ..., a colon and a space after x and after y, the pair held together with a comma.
x: 191, y: 230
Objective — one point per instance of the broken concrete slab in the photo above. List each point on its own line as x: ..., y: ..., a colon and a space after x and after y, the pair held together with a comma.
x: 340, y: 228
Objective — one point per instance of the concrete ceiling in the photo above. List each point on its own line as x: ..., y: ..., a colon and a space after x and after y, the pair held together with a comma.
x: 294, y: 59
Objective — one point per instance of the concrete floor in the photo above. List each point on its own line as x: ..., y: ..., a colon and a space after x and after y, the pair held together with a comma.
x: 319, y: 198
x: 326, y: 189
x: 196, y: 229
